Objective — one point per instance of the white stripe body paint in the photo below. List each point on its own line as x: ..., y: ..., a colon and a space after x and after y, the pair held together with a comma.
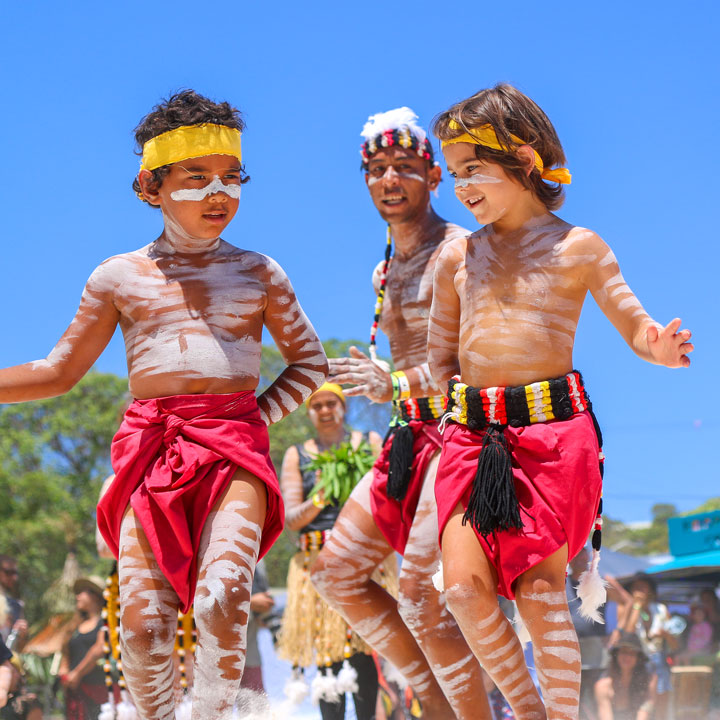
x: 477, y: 179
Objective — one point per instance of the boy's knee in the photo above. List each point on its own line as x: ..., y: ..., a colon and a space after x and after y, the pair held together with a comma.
x: 222, y: 603
x: 145, y: 637
x: 464, y: 598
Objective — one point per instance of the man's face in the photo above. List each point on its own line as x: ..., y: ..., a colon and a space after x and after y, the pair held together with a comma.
x: 200, y: 217
x: 400, y: 182
x: 9, y: 576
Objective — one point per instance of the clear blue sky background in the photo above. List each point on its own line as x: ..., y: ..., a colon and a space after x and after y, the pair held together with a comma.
x: 632, y: 89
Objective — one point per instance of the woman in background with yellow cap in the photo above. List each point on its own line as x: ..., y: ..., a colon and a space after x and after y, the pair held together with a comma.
x: 311, y: 631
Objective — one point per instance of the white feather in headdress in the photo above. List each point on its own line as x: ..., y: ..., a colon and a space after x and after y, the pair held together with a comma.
x: 392, y: 120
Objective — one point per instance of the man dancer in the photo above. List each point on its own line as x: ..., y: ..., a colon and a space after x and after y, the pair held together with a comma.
x: 393, y: 507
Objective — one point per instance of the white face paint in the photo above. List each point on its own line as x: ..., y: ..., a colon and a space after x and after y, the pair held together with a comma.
x: 403, y: 176
x: 216, y: 186
x: 477, y: 179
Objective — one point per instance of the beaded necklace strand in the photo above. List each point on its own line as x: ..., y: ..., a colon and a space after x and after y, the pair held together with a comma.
x: 380, y: 296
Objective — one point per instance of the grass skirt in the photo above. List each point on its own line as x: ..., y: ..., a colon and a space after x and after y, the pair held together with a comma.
x: 313, y: 633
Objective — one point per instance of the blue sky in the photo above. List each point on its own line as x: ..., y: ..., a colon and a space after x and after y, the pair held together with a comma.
x: 632, y: 89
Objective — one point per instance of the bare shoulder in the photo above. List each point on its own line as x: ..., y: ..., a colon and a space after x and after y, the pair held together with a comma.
x: 263, y: 266
x: 582, y: 240
x: 110, y: 273
x: 453, y: 250
x: 291, y: 456
x: 455, y: 232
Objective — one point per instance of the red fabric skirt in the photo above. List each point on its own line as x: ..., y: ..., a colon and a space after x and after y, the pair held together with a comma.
x: 173, y: 457
x: 558, y: 485
x: 394, y: 518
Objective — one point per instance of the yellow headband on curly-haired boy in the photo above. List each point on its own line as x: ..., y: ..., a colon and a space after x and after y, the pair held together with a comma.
x: 190, y: 141
x: 485, y: 135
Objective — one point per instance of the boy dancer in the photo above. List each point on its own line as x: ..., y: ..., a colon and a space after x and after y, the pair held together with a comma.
x: 195, y: 498
x: 519, y: 473
x: 393, y: 507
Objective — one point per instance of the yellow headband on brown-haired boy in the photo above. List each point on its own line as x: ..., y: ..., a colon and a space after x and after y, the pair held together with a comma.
x: 190, y: 141
x: 485, y: 135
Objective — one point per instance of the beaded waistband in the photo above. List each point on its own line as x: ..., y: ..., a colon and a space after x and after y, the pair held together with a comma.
x: 313, y: 540
x: 518, y: 406
x: 427, y: 409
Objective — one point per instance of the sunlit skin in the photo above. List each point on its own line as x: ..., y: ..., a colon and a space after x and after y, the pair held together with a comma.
x: 417, y: 633
x: 192, y: 309
x: 506, y: 304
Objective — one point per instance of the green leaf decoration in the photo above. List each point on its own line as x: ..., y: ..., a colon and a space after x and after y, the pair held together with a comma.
x: 340, y: 469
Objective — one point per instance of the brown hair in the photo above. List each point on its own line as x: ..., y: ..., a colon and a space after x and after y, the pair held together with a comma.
x: 509, y: 111
x: 183, y: 108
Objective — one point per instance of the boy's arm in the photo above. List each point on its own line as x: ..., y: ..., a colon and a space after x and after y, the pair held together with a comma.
x: 660, y: 345
x: 76, y: 351
x: 298, y: 344
x: 444, y: 325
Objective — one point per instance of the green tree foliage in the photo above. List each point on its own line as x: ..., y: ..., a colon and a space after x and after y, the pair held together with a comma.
x: 54, y: 455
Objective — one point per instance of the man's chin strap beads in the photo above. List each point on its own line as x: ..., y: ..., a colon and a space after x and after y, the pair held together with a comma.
x: 380, y: 296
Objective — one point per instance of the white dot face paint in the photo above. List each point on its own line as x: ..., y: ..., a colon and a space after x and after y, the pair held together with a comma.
x: 477, y: 179
x: 198, y: 194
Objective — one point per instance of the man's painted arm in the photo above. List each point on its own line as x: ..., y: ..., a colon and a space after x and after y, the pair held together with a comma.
x: 76, y: 351
x: 298, y: 344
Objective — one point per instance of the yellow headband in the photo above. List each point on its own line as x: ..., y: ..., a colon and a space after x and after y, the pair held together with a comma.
x: 190, y: 141
x: 328, y: 387
x: 485, y: 135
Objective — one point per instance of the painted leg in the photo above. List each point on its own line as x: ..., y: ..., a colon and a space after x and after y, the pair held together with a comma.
x: 341, y: 574
x: 148, y: 619
x: 542, y: 602
x: 470, y: 592
x: 425, y: 612
x: 228, y: 553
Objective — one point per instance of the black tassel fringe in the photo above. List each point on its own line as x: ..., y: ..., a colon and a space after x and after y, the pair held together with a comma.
x: 400, y: 462
x: 493, y: 504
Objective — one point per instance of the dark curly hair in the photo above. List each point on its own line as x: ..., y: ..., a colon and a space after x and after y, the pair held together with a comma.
x: 183, y: 108
x: 509, y: 111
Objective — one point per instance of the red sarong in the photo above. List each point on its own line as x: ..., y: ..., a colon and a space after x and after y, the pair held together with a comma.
x: 558, y: 486
x: 394, y: 518
x: 173, y: 457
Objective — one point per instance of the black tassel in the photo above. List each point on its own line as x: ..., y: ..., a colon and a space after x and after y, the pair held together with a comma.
x: 400, y: 462
x: 493, y: 504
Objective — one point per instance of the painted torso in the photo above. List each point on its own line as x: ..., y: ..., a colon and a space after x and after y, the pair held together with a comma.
x: 520, y: 297
x: 191, y: 323
x: 408, y: 297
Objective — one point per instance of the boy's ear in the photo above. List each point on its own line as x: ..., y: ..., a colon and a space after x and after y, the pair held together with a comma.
x: 434, y: 177
x: 147, y: 186
x: 527, y: 155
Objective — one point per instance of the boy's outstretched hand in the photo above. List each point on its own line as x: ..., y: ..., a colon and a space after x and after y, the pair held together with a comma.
x: 669, y: 346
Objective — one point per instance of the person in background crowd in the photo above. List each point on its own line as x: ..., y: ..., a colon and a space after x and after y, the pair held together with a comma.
x: 711, y: 603
x: 80, y: 674
x: 14, y: 628
x: 645, y: 617
x: 628, y: 689
x: 699, y: 642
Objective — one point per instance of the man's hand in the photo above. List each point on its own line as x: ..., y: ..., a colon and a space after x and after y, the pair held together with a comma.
x: 669, y: 346
x: 367, y: 376
x: 3, y: 697
x: 261, y: 603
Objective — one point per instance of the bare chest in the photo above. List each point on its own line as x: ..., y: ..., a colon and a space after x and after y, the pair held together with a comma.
x: 408, y: 297
x: 167, y: 294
